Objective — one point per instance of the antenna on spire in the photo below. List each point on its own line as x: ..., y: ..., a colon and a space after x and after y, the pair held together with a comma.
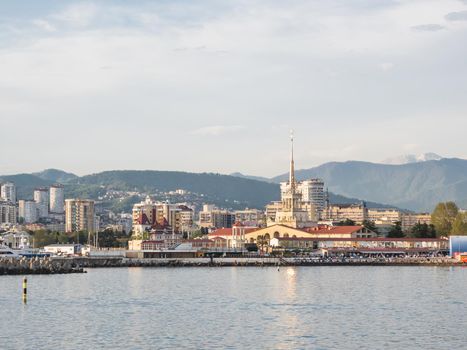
x: 292, y: 170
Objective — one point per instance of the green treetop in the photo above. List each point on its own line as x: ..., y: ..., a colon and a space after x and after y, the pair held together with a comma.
x: 443, y: 217
x: 396, y: 231
x: 459, y: 225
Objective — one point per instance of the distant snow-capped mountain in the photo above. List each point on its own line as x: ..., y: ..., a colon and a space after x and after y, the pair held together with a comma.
x: 412, y: 158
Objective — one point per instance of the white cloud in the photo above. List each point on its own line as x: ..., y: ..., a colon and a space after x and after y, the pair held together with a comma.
x: 77, y: 15
x: 44, y: 25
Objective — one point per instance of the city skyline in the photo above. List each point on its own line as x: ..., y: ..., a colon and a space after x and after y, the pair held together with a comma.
x: 190, y: 87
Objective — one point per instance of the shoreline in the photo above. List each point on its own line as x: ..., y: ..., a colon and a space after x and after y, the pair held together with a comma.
x: 67, y: 265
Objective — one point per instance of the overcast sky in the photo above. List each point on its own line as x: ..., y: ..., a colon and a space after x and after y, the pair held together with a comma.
x: 216, y: 85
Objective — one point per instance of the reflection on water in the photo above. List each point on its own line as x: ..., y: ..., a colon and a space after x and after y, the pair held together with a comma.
x: 238, y: 307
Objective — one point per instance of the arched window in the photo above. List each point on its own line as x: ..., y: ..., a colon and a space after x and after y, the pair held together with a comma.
x: 286, y: 235
x: 277, y: 234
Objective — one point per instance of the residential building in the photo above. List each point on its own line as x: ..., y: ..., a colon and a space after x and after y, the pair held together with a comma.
x: 27, y: 211
x: 341, y: 212
x: 186, y: 218
x: 57, y: 199
x: 79, y: 215
x: 205, y: 216
x: 41, y: 197
x: 408, y: 220
x: 271, y: 210
x: 148, y: 214
x: 212, y: 217
x: 313, y: 194
x: 144, y: 215
x: 250, y: 217
x: 384, y: 215
x: 222, y: 218
x: 8, y: 213
x: 8, y: 192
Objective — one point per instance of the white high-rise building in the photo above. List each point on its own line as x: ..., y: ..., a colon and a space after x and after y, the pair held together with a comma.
x: 57, y: 199
x: 27, y: 210
x: 312, y: 191
x: 41, y: 197
x: 8, y: 192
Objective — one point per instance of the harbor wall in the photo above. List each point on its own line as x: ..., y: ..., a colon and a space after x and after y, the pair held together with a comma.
x: 57, y: 265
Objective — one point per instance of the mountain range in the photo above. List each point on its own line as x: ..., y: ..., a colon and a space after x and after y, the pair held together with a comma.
x: 222, y: 190
x: 416, y: 186
x: 412, y: 158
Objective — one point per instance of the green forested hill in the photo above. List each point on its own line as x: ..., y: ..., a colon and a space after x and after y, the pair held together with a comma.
x: 222, y: 190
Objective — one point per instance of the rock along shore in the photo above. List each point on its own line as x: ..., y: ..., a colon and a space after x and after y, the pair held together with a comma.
x: 38, y: 266
x: 61, y: 265
x: 97, y: 262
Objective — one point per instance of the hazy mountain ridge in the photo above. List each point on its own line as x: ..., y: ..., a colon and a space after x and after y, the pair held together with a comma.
x: 417, y: 186
x: 412, y: 158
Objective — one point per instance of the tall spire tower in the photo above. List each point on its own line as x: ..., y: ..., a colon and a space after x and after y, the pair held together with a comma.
x: 292, y: 211
x: 292, y: 166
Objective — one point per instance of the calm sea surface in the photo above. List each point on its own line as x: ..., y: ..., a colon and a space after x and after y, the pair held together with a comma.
x: 238, y: 308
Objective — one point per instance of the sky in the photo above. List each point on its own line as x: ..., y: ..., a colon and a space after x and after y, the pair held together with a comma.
x: 215, y: 86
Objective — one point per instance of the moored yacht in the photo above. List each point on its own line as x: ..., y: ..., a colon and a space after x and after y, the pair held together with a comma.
x: 7, y: 252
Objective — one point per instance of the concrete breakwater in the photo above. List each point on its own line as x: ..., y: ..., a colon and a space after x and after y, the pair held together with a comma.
x: 95, y: 262
x: 59, y: 265
x: 37, y: 266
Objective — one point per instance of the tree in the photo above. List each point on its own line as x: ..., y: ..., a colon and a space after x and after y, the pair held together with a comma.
x: 422, y: 231
x: 443, y: 217
x: 396, y: 231
x: 346, y: 222
x: 459, y: 225
x: 370, y: 225
x: 41, y: 238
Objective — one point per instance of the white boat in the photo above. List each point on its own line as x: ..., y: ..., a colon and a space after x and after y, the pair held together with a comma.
x: 7, y: 252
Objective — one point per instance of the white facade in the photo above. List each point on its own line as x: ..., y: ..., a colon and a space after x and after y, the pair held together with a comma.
x: 27, y: 210
x: 250, y: 217
x: 41, y: 197
x: 63, y: 249
x: 312, y: 191
x: 8, y: 192
x: 384, y: 215
x: 57, y: 199
x: 16, y: 240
